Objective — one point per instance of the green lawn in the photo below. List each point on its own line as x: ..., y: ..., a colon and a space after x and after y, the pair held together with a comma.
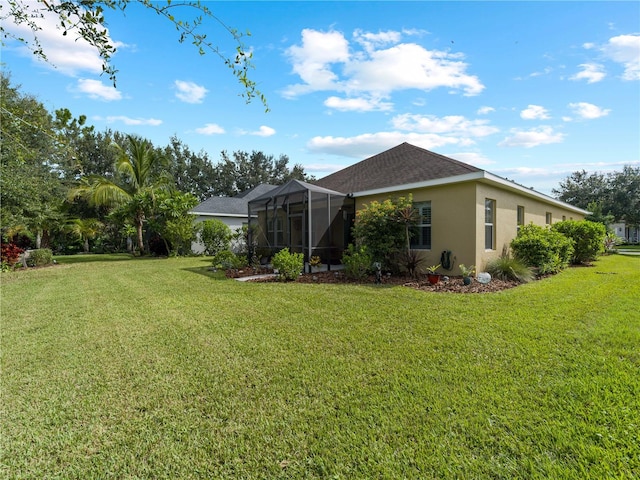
x: 148, y: 368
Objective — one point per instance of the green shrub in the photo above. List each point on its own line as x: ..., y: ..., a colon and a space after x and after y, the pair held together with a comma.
x: 587, y: 237
x: 215, y: 235
x: 289, y: 265
x: 357, y: 262
x: 40, y: 257
x: 506, y: 267
x: 383, y: 227
x: 227, y: 260
x: 546, y: 250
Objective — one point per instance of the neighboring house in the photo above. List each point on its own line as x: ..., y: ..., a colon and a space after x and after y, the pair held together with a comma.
x: 630, y: 234
x: 464, y: 210
x: 232, y: 211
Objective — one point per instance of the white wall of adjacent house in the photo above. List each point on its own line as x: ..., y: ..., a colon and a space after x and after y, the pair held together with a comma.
x: 233, y: 222
x: 625, y: 232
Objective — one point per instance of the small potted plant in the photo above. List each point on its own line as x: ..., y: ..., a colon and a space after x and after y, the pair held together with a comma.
x: 467, y: 272
x: 315, y: 263
x: 432, y: 274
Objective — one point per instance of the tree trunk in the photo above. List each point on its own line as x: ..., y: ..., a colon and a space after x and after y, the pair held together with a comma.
x: 86, y: 244
x: 38, y: 238
x: 139, y: 223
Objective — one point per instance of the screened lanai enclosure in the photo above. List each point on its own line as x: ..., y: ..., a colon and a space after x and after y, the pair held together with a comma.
x: 305, y: 218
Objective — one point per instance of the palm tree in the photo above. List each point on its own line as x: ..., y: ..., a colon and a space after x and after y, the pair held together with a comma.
x: 137, y: 165
x: 85, y: 229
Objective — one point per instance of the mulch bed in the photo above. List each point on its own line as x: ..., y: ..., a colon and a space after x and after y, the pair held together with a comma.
x: 446, y: 284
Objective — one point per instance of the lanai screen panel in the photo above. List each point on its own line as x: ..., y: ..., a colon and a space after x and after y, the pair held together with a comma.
x: 302, y: 217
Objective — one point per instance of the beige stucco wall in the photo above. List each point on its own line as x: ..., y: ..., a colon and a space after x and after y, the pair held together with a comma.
x: 457, y: 222
x: 535, y: 211
x: 453, y: 225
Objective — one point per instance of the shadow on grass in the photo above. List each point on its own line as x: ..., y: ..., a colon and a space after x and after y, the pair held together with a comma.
x: 204, y: 271
x: 93, y: 257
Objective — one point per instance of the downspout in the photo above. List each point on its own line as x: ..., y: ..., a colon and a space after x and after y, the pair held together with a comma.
x: 310, y: 201
x: 329, y: 237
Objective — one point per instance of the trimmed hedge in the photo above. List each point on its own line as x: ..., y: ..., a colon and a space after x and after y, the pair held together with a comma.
x: 587, y: 237
x: 40, y: 257
x: 544, y: 249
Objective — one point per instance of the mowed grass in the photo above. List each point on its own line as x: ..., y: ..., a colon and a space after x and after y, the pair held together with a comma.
x: 152, y: 368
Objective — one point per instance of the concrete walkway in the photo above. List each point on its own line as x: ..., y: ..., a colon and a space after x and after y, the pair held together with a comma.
x: 622, y: 251
x: 255, y: 277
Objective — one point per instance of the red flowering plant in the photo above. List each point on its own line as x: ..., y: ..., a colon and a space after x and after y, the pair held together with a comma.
x: 10, y: 255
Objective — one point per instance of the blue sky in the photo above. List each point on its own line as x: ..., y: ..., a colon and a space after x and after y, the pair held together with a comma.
x: 530, y: 91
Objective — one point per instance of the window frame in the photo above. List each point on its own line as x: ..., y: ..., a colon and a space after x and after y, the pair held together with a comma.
x: 417, y: 240
x: 489, y: 224
x: 520, y: 217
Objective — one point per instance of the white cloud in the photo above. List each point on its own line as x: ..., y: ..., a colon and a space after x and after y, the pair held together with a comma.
x: 591, y: 72
x: 190, y: 92
x: 358, y: 104
x: 450, y: 124
x: 485, y: 110
x: 325, y: 61
x: 369, y: 144
x: 264, y: 131
x: 69, y: 54
x: 625, y: 49
x: 371, y: 40
x: 534, y: 112
x: 210, y: 129
x: 132, y: 121
x: 588, y: 110
x: 532, y: 138
x: 312, y: 61
x: 472, y: 158
x: 98, y: 90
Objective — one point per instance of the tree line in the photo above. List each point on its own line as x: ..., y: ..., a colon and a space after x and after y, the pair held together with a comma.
x: 611, y: 197
x: 63, y: 183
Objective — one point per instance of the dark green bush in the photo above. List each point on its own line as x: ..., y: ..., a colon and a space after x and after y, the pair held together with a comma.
x: 215, y: 235
x: 587, y: 237
x: 289, y: 265
x: 383, y: 228
x: 40, y: 257
x: 544, y: 249
x: 506, y: 267
x: 227, y: 260
x: 357, y: 262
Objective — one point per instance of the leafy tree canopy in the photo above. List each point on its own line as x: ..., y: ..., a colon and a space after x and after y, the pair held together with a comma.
x: 244, y: 170
x: 614, y: 194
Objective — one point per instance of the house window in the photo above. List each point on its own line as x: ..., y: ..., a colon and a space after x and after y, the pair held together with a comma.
x: 489, y: 224
x: 520, y: 216
x: 275, y: 232
x: 421, y: 237
x: 548, y: 218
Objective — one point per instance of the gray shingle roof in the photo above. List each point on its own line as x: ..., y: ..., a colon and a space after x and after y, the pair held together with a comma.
x: 397, y: 166
x: 232, y: 205
x: 293, y: 186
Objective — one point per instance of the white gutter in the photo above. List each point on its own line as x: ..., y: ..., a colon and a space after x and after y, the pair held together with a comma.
x: 481, y: 176
x: 207, y: 214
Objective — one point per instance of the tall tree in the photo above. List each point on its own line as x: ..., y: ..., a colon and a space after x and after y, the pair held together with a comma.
x: 86, y: 20
x: 131, y: 191
x: 616, y: 193
x: 244, y: 170
x: 191, y: 172
x: 582, y: 188
x: 625, y: 194
x: 30, y: 191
